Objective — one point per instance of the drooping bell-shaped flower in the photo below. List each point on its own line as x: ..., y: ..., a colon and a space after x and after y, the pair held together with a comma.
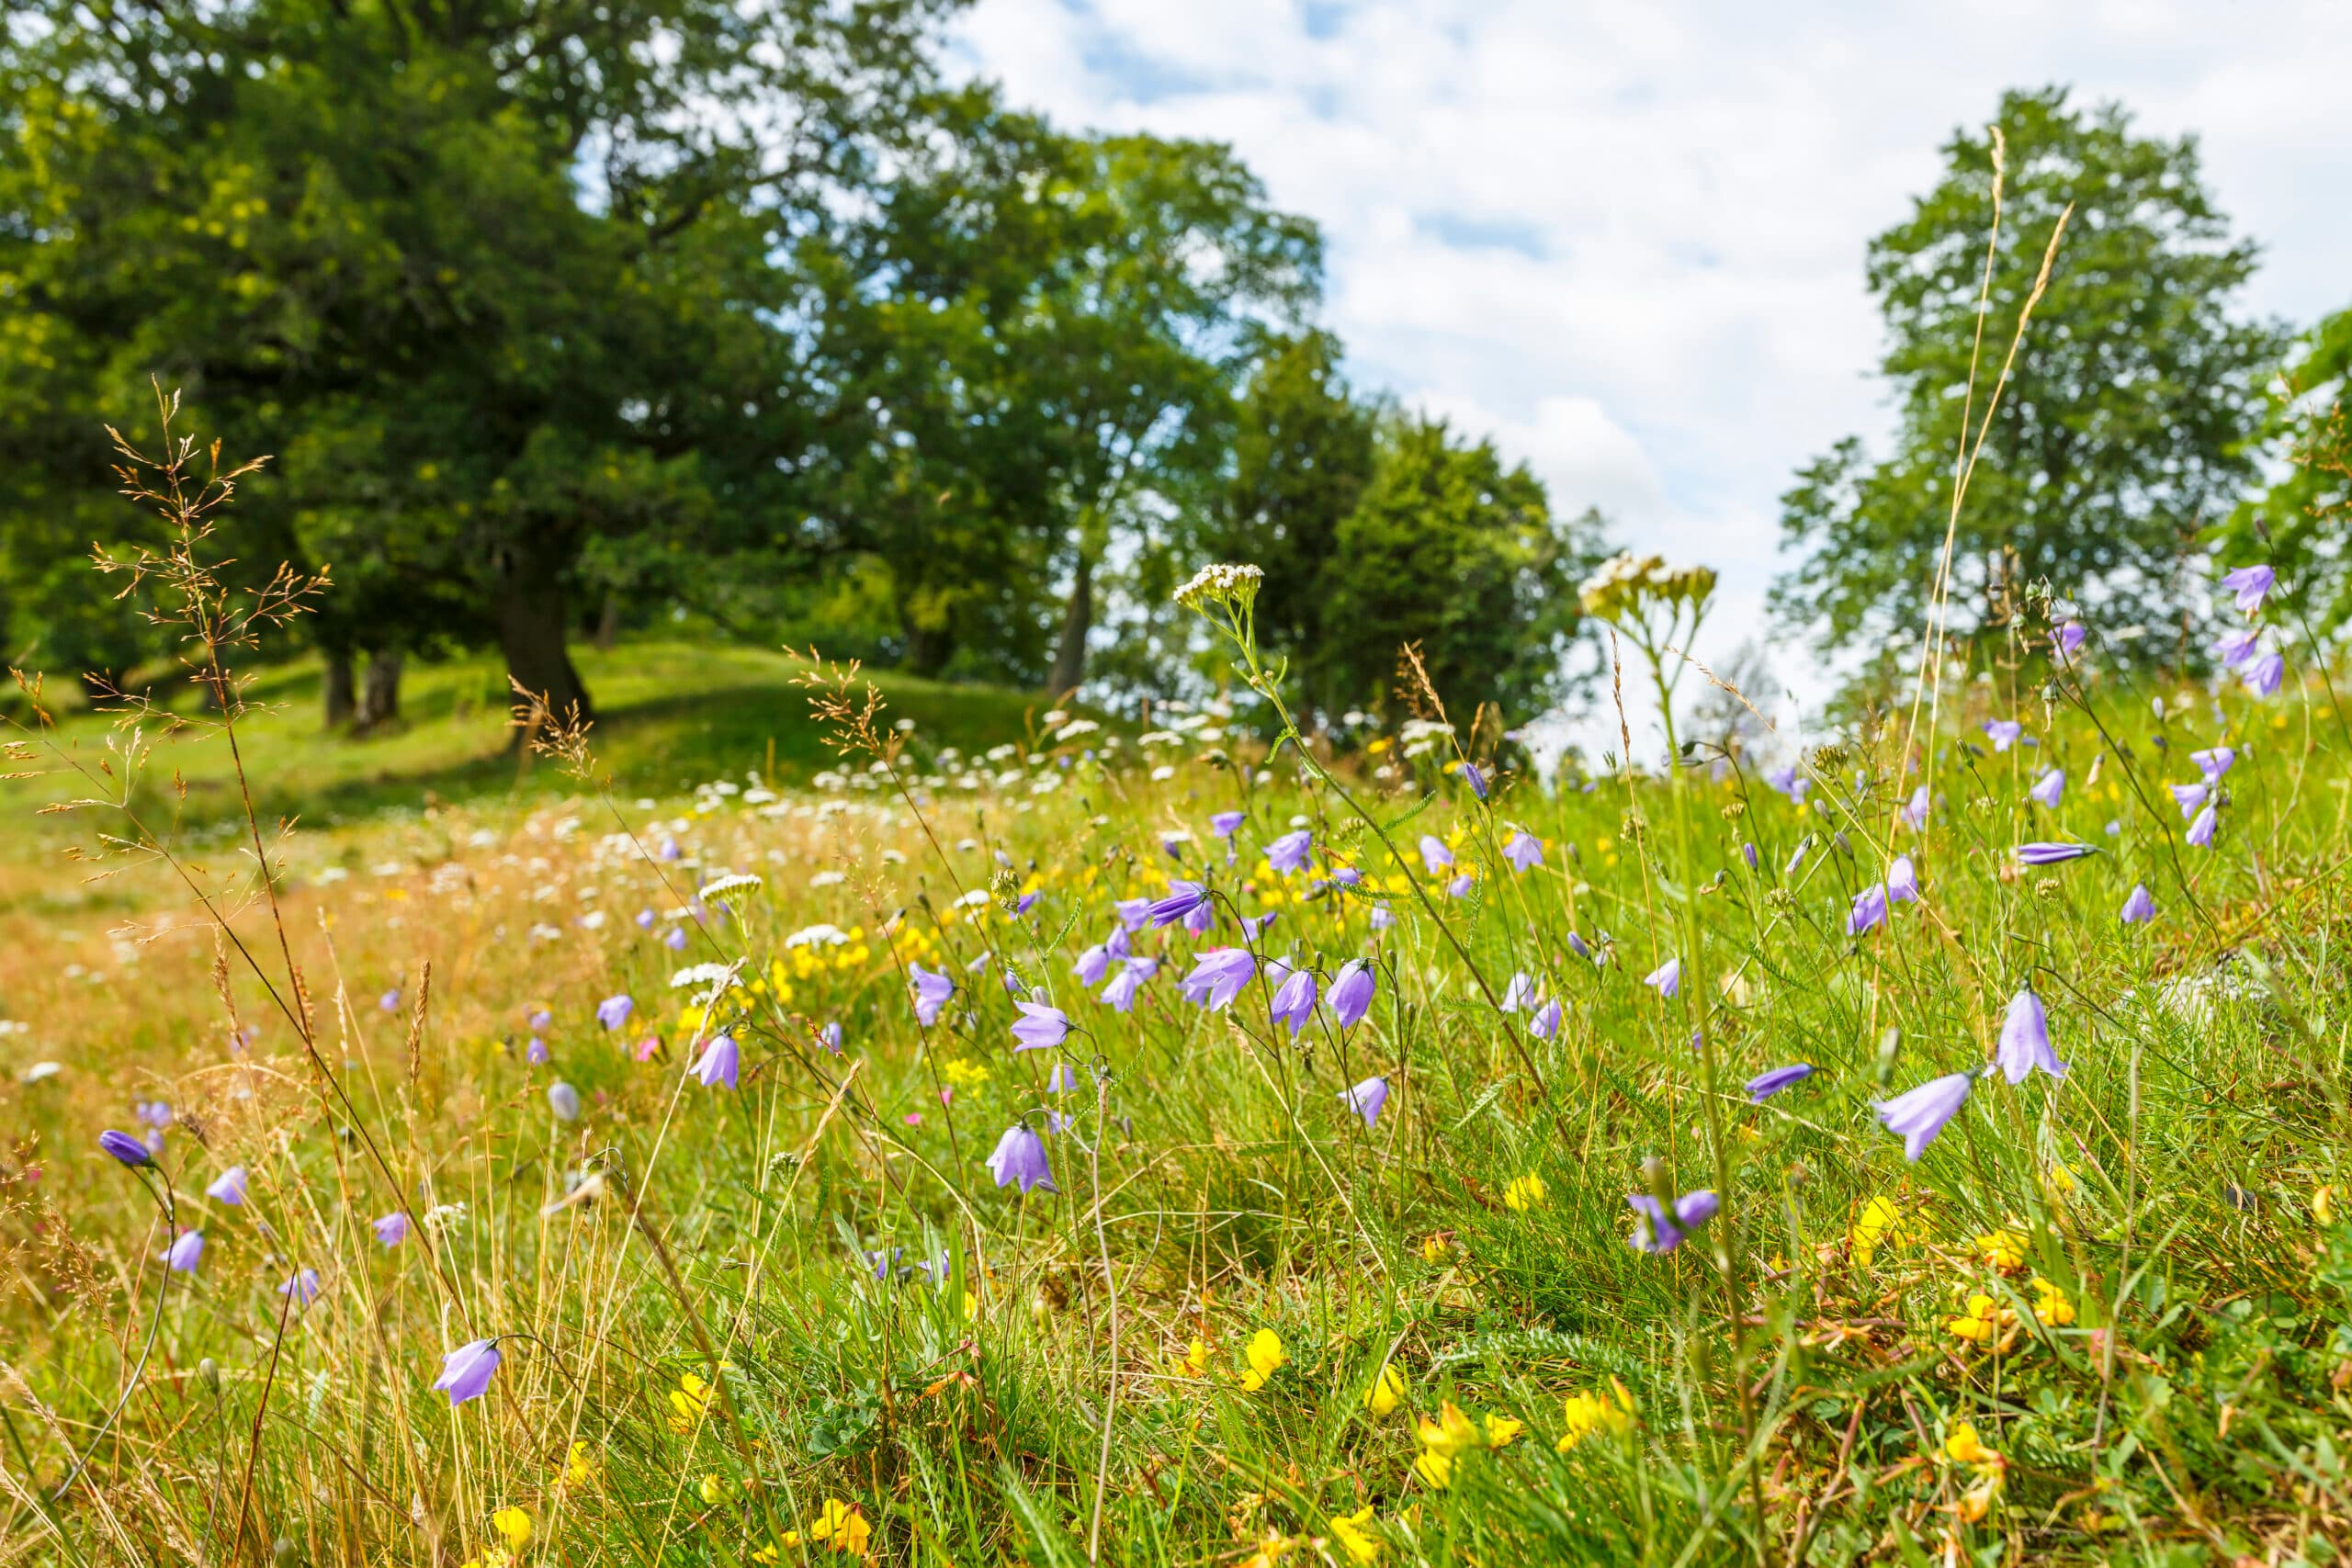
x: 2190, y: 796
x: 1661, y: 1231
x: 2069, y: 637
x: 1917, y: 1115
x: 564, y: 1100
x: 1524, y: 850
x: 1225, y: 824
x: 466, y: 1370
x: 1351, y: 992
x: 931, y: 991
x: 1120, y: 994
x: 2262, y: 673
x: 1294, y: 1001
x: 2025, y: 1041
x: 1435, y: 857
x: 2234, y: 648
x: 718, y: 1062
x: 2003, y: 732
x: 2140, y: 908
x: 1020, y: 1160
x: 1902, y: 881
x: 2200, y: 831
x: 1217, y: 976
x: 613, y: 1011
x: 1039, y: 1027
x: 2049, y: 789
x: 229, y: 1186
x: 1092, y: 964
x: 2251, y: 584
x: 1290, y: 851
x: 185, y: 1253
x: 1520, y: 993
x: 302, y: 1285
x: 1914, y: 814
x: 1764, y: 1086
x: 1547, y: 1021
x: 2214, y: 761
x: 1666, y: 979
x: 1366, y: 1098
x: 390, y: 1229
x: 1869, y: 909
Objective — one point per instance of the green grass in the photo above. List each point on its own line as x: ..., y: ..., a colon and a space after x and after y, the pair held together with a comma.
x: 670, y: 715
x: 2169, y: 1299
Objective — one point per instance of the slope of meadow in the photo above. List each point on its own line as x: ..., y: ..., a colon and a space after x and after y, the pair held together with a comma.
x: 1341, y: 1260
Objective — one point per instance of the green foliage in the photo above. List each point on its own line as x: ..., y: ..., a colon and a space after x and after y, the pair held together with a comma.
x: 2297, y: 525
x: 1449, y: 550
x: 2123, y: 429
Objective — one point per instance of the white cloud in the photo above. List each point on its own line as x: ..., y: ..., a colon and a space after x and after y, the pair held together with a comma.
x: 1627, y: 240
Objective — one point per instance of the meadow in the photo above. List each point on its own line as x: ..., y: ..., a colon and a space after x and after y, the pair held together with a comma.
x: 1017, y: 1136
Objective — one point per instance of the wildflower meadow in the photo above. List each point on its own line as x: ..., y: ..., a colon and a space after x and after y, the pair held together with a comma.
x: 1184, y: 1138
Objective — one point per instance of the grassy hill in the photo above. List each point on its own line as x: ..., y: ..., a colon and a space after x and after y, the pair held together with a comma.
x: 670, y: 715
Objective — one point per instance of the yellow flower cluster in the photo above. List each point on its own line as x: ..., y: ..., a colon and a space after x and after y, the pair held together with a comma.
x: 1592, y: 1411
x: 1454, y: 1433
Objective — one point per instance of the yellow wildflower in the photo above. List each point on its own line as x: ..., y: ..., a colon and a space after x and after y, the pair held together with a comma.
x: 1977, y: 1501
x: 841, y: 1526
x: 1962, y: 1448
x: 1983, y: 1321
x: 688, y: 1401
x: 1448, y: 1434
x: 2050, y: 1303
x: 1524, y: 1193
x: 1501, y: 1430
x: 1270, y: 1551
x: 1435, y: 1468
x: 1434, y: 1246
x: 964, y: 1073
x: 1265, y: 1354
x: 1592, y: 1411
x: 1353, y: 1538
x: 2324, y: 1205
x: 2003, y: 1249
x: 2058, y: 1181
x: 513, y: 1526
x: 1386, y: 1392
x: 1194, y: 1361
x: 580, y: 1466
x: 1877, y: 1222
x: 711, y: 1490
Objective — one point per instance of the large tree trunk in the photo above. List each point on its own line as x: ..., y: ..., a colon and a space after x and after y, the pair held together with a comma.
x: 531, y: 618
x: 379, y: 691
x: 608, y: 622
x: 928, y: 649
x: 341, y: 703
x: 1069, y: 658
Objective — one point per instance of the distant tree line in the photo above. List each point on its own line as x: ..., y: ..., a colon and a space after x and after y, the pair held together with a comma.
x: 562, y: 320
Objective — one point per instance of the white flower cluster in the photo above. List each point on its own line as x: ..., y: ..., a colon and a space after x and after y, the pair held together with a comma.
x: 1221, y: 584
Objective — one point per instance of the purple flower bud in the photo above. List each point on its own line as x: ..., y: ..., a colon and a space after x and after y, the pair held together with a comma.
x: 2201, y: 832
x: 674, y: 939
x: 1217, y: 976
x: 1524, y: 850
x: 1805, y: 847
x: 1917, y: 1115
x: 2251, y: 584
x: 2138, y: 909
x: 391, y: 1001
x: 1366, y: 1098
x: 391, y: 1229
x: 1183, y: 898
x: 1290, y: 852
x: 2048, y: 789
x: 2263, y: 674
x: 1201, y: 916
x: 1764, y: 1086
x: 542, y: 1019
x: 718, y: 1063
x: 1577, y: 946
x: 1914, y: 814
x: 1657, y: 1231
x: 1477, y: 780
x: 1666, y: 978
x: 1351, y: 992
x: 2214, y: 763
x: 536, y: 1053
x: 2025, y: 1041
x: 645, y: 919
x: 1020, y: 1157
x: 931, y: 991
x: 564, y: 1100
x: 613, y: 1011
x: 2052, y: 853
x: 2070, y: 638
x: 829, y: 1037
x: 1294, y: 1001
x: 130, y: 1151
x: 1223, y: 824
x: 466, y: 1370
x: 1092, y: 964
x: 1460, y: 887
x: 1435, y: 857
x: 229, y: 1186
x: 185, y: 1253
x: 1547, y: 1021
x: 2003, y: 732
x: 2188, y: 797
x: 1039, y: 1028
x: 1747, y: 853
x: 2234, y: 648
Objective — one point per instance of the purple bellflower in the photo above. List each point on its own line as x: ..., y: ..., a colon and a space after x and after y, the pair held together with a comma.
x: 1547, y: 1021
x: 466, y: 1370
x: 390, y: 1229
x: 1225, y: 824
x: 130, y: 1151
x: 932, y: 992
x: 1666, y: 979
x: 229, y: 1186
x: 1764, y: 1086
x: 185, y: 1253
x: 1217, y: 976
x: 1477, y: 780
x: 1183, y: 897
x: 1659, y: 1231
x: 2025, y: 1041
x: 2003, y: 732
x: 1351, y: 992
x: 1366, y: 1098
x: 302, y: 1285
x: 1295, y: 1001
x: 1020, y: 1157
x: 2251, y: 584
x: 2040, y: 853
x: 1435, y: 857
x: 1120, y: 994
x: 2263, y: 674
x: 1524, y: 850
x: 1290, y: 852
x: 2138, y: 909
x: 2049, y: 789
x: 2188, y: 797
x: 2234, y: 648
x: 719, y: 1061
x: 1092, y: 964
x: 1040, y: 1028
x: 1917, y: 1115
x: 613, y: 1011
x: 564, y: 1100
x: 2201, y: 832
x: 2069, y: 637
x: 1520, y: 993
x: 2214, y: 761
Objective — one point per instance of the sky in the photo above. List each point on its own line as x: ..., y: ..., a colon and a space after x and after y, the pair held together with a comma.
x: 1625, y: 239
